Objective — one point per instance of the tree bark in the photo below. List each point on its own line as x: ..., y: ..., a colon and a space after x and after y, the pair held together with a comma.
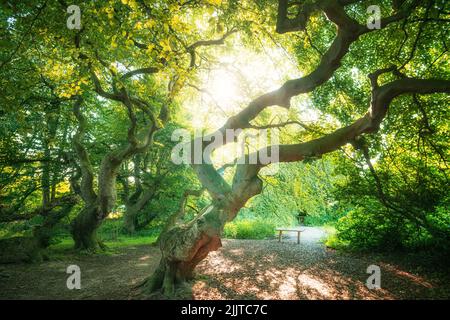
x: 130, y: 220
x: 84, y: 228
x: 183, y: 247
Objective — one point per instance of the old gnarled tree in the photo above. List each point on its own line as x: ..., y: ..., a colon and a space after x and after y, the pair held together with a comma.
x: 185, y: 245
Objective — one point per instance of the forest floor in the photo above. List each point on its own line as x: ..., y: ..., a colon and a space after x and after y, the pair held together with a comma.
x: 241, y: 269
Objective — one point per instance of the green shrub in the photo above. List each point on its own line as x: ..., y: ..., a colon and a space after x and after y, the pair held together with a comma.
x: 332, y: 241
x: 249, y: 229
x: 364, y: 229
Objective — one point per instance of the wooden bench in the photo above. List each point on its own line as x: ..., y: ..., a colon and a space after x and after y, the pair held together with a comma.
x: 298, y: 230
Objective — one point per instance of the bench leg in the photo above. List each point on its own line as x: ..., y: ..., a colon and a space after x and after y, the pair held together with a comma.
x: 279, y: 236
x: 298, y: 237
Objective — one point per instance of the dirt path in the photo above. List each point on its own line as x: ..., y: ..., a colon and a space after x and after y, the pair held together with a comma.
x: 270, y: 270
x: 109, y: 276
x: 242, y: 269
x: 311, y: 235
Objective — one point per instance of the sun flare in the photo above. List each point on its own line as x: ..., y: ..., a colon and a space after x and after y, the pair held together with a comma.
x: 239, y: 77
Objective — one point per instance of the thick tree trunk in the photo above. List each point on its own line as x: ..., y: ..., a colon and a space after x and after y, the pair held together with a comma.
x: 130, y: 219
x: 90, y: 218
x: 84, y: 228
x: 183, y: 247
x: 85, y: 225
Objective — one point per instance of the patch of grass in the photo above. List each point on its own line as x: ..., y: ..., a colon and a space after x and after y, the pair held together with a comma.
x: 127, y: 241
x: 65, y: 246
x: 249, y: 229
x: 110, y: 233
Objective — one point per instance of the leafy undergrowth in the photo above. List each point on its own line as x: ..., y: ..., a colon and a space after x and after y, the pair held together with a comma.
x: 249, y: 229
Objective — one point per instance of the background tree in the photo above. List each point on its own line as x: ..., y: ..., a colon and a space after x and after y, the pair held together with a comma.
x: 155, y: 184
x: 111, y: 58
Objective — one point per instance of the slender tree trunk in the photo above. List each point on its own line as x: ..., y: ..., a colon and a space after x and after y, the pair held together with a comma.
x: 52, y: 119
x: 133, y: 210
x: 131, y: 202
x: 45, y: 179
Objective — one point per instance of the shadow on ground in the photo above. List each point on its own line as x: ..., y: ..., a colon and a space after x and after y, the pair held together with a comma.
x: 248, y: 269
x: 242, y: 269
